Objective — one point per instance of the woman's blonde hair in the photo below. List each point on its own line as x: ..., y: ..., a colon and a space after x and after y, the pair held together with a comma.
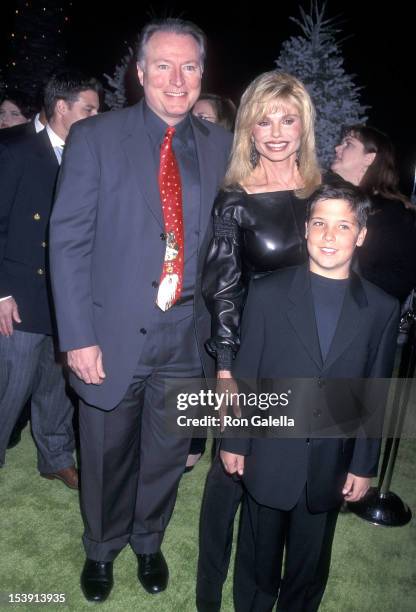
x: 267, y: 93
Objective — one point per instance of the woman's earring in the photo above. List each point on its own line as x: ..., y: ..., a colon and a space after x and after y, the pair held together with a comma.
x: 254, y: 155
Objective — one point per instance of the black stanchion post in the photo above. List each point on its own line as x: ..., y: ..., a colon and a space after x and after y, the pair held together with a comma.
x: 380, y: 505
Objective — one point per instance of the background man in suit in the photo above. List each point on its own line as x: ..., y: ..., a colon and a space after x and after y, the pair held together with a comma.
x: 33, y: 126
x: 120, y: 242
x: 320, y: 321
x: 28, y: 169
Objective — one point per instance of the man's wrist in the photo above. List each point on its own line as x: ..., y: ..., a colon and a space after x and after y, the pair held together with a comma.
x: 5, y: 298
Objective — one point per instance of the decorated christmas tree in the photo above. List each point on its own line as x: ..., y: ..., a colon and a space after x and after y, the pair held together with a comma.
x: 316, y: 59
x: 37, y: 44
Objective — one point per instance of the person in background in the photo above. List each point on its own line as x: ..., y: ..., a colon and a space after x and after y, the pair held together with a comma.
x: 365, y: 157
x: 216, y: 109
x: 29, y: 167
x: 36, y: 124
x: 259, y: 220
x: 15, y: 109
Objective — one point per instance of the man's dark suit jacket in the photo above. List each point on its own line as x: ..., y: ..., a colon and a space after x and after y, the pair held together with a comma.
x: 28, y: 172
x: 279, y: 340
x: 107, y: 242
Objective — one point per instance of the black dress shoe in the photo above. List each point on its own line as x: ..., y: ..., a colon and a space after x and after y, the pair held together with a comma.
x: 153, y: 572
x: 97, y: 580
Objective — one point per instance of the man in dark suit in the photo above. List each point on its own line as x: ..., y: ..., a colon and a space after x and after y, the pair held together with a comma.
x: 8, y: 134
x: 128, y: 236
x: 319, y: 322
x: 28, y: 169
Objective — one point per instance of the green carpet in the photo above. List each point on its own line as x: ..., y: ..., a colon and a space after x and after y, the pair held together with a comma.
x: 373, y: 568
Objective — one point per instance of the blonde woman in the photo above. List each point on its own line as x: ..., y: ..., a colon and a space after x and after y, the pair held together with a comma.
x: 259, y: 226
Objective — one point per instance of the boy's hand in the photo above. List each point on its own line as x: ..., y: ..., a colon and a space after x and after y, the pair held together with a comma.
x: 355, y: 487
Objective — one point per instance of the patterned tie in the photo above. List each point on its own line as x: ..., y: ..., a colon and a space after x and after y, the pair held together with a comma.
x: 171, y: 280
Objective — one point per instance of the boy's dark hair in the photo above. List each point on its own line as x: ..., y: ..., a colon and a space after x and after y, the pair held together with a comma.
x: 359, y: 203
x: 67, y: 85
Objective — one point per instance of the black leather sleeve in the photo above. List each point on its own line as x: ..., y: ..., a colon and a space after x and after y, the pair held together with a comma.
x: 223, y: 285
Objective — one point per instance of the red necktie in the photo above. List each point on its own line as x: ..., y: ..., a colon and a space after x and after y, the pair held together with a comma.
x: 171, y: 280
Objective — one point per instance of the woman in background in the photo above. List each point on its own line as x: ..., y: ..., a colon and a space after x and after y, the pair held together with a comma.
x: 365, y: 158
x: 216, y: 109
x: 15, y: 109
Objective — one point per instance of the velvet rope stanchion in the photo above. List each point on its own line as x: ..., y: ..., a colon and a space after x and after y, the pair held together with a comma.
x: 381, y: 506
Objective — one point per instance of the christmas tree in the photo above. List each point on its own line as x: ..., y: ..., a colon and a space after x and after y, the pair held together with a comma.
x: 316, y: 59
x: 116, y: 97
x: 37, y: 43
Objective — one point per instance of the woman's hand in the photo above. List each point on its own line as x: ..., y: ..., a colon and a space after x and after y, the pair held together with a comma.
x: 227, y: 388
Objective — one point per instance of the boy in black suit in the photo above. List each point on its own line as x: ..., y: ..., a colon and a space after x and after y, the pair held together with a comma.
x: 318, y: 321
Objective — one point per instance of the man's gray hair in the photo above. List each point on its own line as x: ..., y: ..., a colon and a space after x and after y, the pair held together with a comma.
x: 173, y: 25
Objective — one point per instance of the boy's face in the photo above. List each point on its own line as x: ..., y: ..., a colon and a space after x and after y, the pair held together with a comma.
x: 332, y: 233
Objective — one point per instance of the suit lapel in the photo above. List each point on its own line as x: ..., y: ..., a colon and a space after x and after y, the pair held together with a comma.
x: 302, y: 314
x: 349, y: 323
x: 137, y: 147
x: 45, y: 149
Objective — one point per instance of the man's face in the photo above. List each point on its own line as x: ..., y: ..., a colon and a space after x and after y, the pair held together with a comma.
x: 332, y: 234
x: 171, y: 75
x: 86, y: 105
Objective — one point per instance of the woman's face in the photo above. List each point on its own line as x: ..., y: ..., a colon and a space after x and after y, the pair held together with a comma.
x: 10, y: 115
x: 351, y: 160
x: 277, y: 136
x: 204, y: 109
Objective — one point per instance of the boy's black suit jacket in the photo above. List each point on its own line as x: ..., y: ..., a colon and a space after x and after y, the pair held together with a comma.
x: 279, y: 340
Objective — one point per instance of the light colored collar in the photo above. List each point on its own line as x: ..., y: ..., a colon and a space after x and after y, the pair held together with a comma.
x: 37, y: 123
x: 56, y: 141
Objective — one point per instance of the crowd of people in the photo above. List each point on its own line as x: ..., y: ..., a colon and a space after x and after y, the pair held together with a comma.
x: 181, y: 238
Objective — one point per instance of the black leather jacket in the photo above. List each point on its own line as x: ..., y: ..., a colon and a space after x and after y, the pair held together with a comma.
x: 254, y: 234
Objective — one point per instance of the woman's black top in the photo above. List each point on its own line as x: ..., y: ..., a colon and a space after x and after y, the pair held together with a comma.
x: 388, y: 255
x: 253, y: 234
